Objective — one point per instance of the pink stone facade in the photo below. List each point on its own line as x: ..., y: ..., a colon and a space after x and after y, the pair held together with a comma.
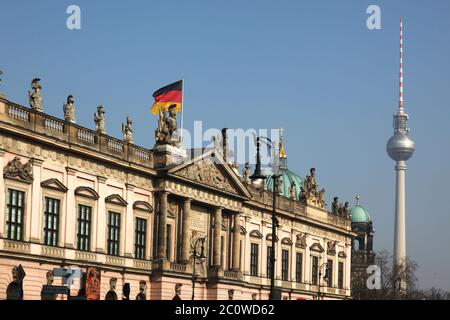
x: 79, y: 168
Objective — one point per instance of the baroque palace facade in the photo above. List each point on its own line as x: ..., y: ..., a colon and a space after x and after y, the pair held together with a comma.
x: 71, y: 196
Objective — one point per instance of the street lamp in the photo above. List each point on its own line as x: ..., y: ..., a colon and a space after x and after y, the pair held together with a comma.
x: 195, y: 256
x: 257, y: 180
x: 325, y: 277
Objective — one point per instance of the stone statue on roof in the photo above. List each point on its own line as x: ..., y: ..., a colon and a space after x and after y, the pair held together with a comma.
x: 127, y: 130
x: 69, y: 109
x: 35, y: 98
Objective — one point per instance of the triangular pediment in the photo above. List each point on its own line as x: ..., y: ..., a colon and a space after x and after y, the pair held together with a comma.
x: 116, y: 199
x: 316, y: 247
x: 210, y: 170
x: 54, y: 184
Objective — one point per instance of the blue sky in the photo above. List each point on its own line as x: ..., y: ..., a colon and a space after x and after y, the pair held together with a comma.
x: 311, y: 67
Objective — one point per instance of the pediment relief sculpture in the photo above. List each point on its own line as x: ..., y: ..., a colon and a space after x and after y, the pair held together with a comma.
x: 15, y: 169
x: 206, y: 172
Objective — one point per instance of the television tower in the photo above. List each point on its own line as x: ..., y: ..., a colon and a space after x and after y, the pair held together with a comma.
x: 400, y: 148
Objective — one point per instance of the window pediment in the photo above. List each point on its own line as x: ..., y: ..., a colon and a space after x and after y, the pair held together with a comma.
x: 316, y: 247
x: 269, y: 237
x: 342, y: 254
x: 116, y: 199
x: 54, y: 184
x: 256, y: 234
x: 287, y: 241
x: 143, y: 206
x: 86, y: 192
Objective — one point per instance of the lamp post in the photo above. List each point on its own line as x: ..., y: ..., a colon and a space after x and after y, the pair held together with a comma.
x: 195, y: 256
x: 325, y: 277
x: 258, y: 181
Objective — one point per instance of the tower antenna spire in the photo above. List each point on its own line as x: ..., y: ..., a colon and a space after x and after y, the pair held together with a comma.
x: 401, y: 102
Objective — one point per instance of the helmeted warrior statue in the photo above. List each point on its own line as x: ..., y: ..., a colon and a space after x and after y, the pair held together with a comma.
x: 127, y: 130
x: 99, y: 119
x: 112, y: 295
x: 69, y: 109
x: 167, y: 124
x: 35, y: 98
x: 142, y: 290
x: 14, y: 291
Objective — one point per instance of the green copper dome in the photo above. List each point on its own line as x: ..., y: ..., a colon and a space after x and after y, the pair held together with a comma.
x: 358, y: 214
x: 287, y: 177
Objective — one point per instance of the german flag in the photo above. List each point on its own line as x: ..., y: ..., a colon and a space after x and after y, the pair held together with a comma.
x: 166, y: 96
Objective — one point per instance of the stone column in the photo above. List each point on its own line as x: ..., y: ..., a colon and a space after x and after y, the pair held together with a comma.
x: 216, y: 242
x: 162, y: 227
x: 71, y: 210
x: 2, y: 192
x: 35, y: 225
x: 236, y: 241
x: 129, y: 222
x: 185, y: 247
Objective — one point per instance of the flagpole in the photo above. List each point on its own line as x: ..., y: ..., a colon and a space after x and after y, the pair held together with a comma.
x: 182, y: 108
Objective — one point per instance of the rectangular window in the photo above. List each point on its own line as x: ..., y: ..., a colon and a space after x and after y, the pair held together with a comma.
x: 51, y: 223
x: 168, y: 242
x: 299, y: 267
x: 285, y: 265
x: 14, y: 218
x: 315, y: 270
x: 254, y: 249
x: 84, y: 228
x: 140, y: 238
x: 269, y: 263
x: 113, y: 233
x: 329, y: 273
x: 341, y: 275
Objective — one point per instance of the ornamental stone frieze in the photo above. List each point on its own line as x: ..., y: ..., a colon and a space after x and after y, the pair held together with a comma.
x: 17, y: 170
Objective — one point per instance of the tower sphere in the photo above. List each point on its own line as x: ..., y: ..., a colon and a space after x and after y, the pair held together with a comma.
x: 400, y: 147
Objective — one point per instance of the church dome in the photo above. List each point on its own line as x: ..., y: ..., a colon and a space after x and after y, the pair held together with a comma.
x: 359, y: 214
x: 287, y: 176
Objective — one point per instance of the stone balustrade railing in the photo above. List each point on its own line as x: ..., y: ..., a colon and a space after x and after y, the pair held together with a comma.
x: 47, y: 125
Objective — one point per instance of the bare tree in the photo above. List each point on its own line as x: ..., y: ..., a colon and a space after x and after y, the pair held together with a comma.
x: 436, y: 294
x: 390, y: 276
